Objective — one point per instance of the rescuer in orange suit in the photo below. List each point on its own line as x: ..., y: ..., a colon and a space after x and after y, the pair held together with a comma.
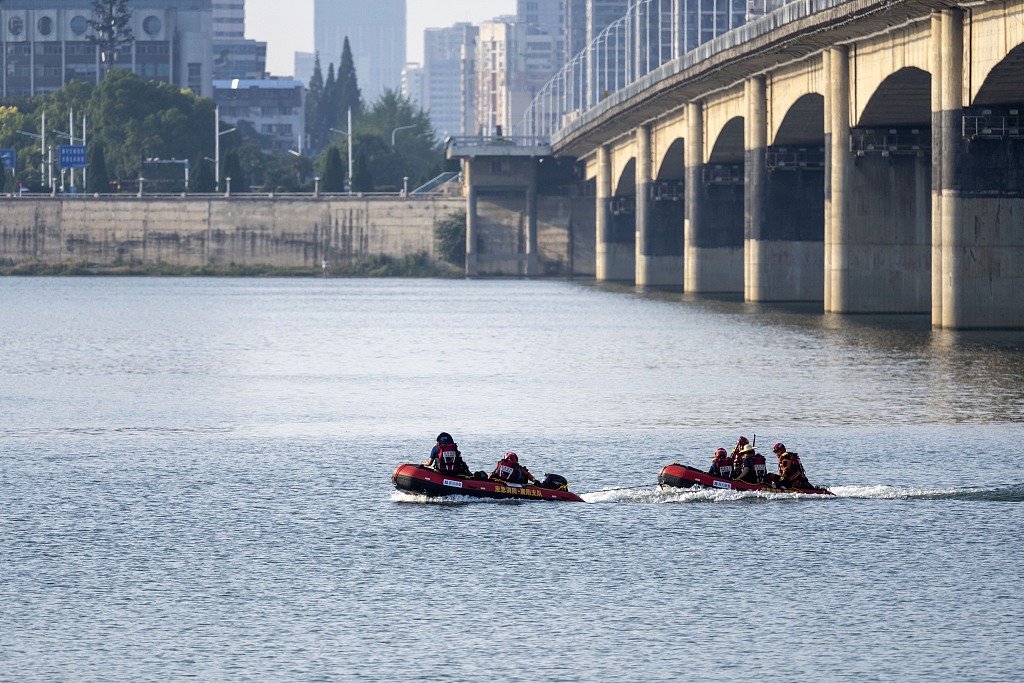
x: 791, y: 471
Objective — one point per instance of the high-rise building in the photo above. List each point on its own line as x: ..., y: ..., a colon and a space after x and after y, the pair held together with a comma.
x: 376, y: 35
x: 44, y: 44
x: 233, y: 55
x: 228, y: 20
x: 702, y: 20
x: 514, y: 61
x: 304, y: 63
x: 412, y: 83
x: 448, y: 78
x: 603, y: 13
x: 575, y: 27
x: 547, y: 16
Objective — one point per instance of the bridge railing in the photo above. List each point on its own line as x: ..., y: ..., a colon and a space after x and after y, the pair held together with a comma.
x: 653, y: 41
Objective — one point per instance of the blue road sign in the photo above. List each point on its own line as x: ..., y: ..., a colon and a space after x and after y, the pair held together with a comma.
x: 72, y: 156
x: 9, y: 157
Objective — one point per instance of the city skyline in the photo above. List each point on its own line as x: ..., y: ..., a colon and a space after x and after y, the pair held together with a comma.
x: 292, y: 31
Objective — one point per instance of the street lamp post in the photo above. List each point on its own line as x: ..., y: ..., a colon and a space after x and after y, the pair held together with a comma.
x: 398, y: 129
x: 216, y: 144
x: 348, y: 145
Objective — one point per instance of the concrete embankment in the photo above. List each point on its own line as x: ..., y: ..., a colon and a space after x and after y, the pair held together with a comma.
x: 204, y: 231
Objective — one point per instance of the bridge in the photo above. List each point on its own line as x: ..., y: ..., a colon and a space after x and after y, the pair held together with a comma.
x: 865, y: 154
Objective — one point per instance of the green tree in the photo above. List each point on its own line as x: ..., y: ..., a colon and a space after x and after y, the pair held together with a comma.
x: 450, y: 238
x: 233, y: 169
x: 333, y: 178
x: 314, y: 96
x: 416, y: 153
x: 323, y: 111
x: 347, y: 94
x: 201, y: 180
x: 110, y: 29
x: 98, y: 180
x: 134, y: 120
x: 6, y: 177
x: 362, y: 176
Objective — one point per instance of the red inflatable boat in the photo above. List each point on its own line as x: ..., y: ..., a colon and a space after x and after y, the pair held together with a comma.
x: 430, y: 482
x: 685, y: 477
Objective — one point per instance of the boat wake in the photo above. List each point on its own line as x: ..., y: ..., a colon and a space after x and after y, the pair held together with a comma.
x: 668, y: 494
x: 418, y: 498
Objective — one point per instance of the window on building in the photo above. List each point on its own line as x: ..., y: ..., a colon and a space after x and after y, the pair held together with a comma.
x: 195, y: 76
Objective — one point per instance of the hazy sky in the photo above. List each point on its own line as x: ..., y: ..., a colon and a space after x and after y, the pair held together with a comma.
x: 288, y: 26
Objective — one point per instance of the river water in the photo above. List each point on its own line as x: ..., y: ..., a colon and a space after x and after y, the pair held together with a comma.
x: 196, y: 485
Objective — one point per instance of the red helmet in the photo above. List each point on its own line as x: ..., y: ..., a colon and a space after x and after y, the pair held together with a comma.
x: 779, y: 448
x: 721, y: 452
x: 513, y: 457
x: 742, y: 441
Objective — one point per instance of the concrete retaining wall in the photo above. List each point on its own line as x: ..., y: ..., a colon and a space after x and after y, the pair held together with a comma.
x: 281, y: 232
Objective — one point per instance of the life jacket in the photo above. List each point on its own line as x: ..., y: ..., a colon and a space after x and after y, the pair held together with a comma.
x: 723, y: 465
x: 756, y: 468
x: 508, y: 471
x: 792, y: 470
x: 760, y: 468
x: 447, y: 457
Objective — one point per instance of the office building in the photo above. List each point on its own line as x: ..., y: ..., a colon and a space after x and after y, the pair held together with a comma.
x: 233, y: 55
x: 514, y: 61
x: 44, y: 44
x: 412, y: 83
x: 274, y: 108
x: 547, y: 16
x: 228, y: 20
x: 376, y: 34
x: 575, y: 27
x: 702, y: 20
x: 449, y: 75
x: 304, y: 64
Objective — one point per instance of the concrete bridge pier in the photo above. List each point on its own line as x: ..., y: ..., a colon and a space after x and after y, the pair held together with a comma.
x: 937, y: 142
x: 837, y: 268
x: 756, y: 250
x: 659, y: 225
x: 472, y: 229
x: 615, y: 260
x: 785, y: 209
x: 881, y: 212
x: 713, y: 249
x: 644, y: 255
x: 982, y: 197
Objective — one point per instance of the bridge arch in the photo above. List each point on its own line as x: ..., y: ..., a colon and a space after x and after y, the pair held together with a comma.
x: 1004, y: 82
x: 625, y: 183
x: 728, y: 147
x: 672, y: 165
x: 902, y: 99
x: 803, y: 123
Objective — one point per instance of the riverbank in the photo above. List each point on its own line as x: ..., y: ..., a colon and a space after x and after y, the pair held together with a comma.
x: 416, y: 265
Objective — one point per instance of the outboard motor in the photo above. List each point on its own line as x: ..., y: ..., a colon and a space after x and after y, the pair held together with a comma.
x: 554, y: 481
